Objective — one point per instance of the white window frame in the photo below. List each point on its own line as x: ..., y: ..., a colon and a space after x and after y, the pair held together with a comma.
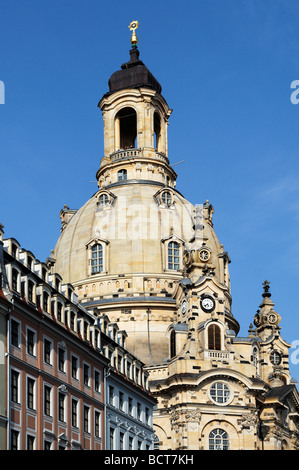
x: 34, y: 393
x: 97, y: 371
x: 85, y: 364
x: 19, y: 332
x: 46, y: 338
x: 19, y: 398
x: 96, y: 410
x: 77, y: 378
x: 28, y: 328
x: 105, y: 253
x: 50, y: 416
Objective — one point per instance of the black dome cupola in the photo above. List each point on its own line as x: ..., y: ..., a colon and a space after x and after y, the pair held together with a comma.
x: 133, y: 74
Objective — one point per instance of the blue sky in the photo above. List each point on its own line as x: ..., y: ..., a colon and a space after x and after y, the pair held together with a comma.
x: 226, y: 69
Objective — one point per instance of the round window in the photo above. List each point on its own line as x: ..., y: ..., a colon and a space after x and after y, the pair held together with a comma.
x: 220, y: 393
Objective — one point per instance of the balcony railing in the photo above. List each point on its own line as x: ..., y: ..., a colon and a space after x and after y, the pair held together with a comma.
x: 133, y: 152
x: 126, y: 153
x: 218, y: 355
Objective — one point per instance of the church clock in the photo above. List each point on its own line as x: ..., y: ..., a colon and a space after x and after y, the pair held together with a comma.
x: 207, y: 303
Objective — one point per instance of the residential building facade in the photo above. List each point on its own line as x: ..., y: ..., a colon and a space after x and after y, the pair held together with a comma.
x: 55, y: 357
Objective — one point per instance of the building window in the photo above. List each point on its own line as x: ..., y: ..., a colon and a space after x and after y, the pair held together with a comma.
x: 111, y: 395
x: 15, y: 278
x: 121, y: 441
x: 72, y: 322
x: 97, y: 258
x: 31, y: 342
x: 147, y: 416
x: 112, y: 438
x: 30, y: 442
x: 59, y: 312
x: 74, y: 367
x: 47, y: 445
x: 214, y: 337
x: 61, y: 359
x: 47, y: 400
x: 86, y: 418
x: 220, y: 393
x: 97, y: 424
x: 121, y: 401
x: 30, y: 393
x: 97, y: 381
x: 85, y: 330
x: 218, y: 440
x: 157, y: 131
x: 122, y: 175
x: 139, y: 409
x: 130, y: 406
x: 15, y: 333
x: 74, y: 413
x: 30, y: 291
x: 47, y: 351
x: 173, y: 256
x: 45, y: 302
x: 172, y: 344
x: 61, y: 407
x: 166, y: 197
x: 15, y: 377
x: 14, y: 440
x: 86, y: 374
x: 125, y: 129
x: 103, y: 200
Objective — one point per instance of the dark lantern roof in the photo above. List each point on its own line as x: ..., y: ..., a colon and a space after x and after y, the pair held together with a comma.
x: 133, y: 74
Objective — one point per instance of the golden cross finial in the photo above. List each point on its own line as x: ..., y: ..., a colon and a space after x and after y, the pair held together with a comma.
x: 133, y: 26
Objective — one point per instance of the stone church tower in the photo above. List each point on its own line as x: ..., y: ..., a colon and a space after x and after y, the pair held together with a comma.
x: 143, y: 255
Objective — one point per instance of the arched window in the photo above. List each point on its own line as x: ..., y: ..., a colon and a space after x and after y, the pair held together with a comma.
x: 97, y: 258
x: 157, y: 130
x: 126, y: 128
x: 218, y: 440
x: 214, y: 337
x: 172, y: 344
x: 173, y: 255
x: 122, y: 175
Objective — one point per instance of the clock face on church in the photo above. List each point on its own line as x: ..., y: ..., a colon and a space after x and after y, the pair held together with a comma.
x: 207, y: 304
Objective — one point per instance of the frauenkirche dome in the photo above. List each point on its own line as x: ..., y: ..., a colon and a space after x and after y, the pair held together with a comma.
x: 126, y: 249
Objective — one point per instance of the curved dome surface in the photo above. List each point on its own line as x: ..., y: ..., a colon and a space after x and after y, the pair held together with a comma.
x: 133, y: 227
x: 144, y: 239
